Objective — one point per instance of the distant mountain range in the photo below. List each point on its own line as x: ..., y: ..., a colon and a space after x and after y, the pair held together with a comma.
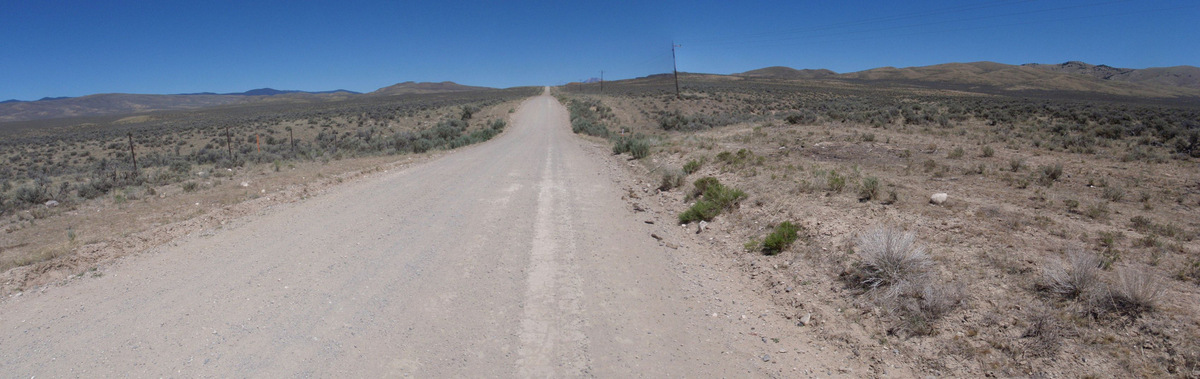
x: 780, y: 72
x: 423, y: 87
x: 122, y: 103
x: 272, y: 92
x: 1178, y: 81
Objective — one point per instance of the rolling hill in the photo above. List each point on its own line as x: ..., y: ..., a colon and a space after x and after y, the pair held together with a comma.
x: 424, y: 87
x: 992, y: 77
x: 123, y: 103
x: 780, y: 72
x: 1177, y: 76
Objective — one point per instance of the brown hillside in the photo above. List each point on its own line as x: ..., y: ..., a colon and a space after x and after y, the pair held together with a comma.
x: 424, y: 87
x: 1176, y: 76
x: 1003, y: 77
x: 781, y: 72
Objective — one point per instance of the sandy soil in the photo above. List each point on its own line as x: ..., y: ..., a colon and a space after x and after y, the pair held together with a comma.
x: 522, y: 256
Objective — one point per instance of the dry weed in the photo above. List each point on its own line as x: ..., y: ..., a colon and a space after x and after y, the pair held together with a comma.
x: 1078, y: 275
x: 891, y: 256
x: 1135, y: 292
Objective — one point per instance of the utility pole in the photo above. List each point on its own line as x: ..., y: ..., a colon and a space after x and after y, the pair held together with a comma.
x: 675, y: 67
x: 132, y: 155
x: 601, y: 81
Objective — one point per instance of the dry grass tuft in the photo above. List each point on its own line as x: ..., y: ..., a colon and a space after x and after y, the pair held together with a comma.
x: 1078, y: 275
x: 895, y: 270
x: 1135, y: 292
x: 891, y: 256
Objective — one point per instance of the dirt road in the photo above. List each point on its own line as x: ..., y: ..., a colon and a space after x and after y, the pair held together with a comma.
x: 514, y: 258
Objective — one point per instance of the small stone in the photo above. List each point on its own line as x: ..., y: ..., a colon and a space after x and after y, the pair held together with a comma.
x: 245, y: 184
x: 806, y: 319
x: 938, y: 198
x: 52, y: 203
x: 702, y: 225
x: 766, y: 358
x: 672, y: 246
x: 656, y: 236
x: 649, y: 222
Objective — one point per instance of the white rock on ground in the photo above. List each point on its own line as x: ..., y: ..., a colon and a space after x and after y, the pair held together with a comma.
x: 938, y: 198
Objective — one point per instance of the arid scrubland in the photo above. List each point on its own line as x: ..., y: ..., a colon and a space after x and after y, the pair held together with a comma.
x: 70, y: 185
x: 1066, y: 243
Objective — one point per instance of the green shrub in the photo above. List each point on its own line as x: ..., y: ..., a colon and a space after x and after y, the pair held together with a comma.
x: 1096, y: 210
x: 779, y: 240
x: 715, y: 198
x: 692, y: 166
x: 1071, y: 204
x: 987, y: 152
x: 181, y: 167
x: 589, y: 127
x: 32, y: 194
x: 956, y: 153
x: 639, y: 149
x: 1015, y: 164
x: 869, y: 189
x: 190, y: 186
x: 1049, y: 174
x: 1113, y: 193
x: 836, y: 182
x: 670, y: 180
x: 805, y: 117
x: 637, y: 146
x: 469, y: 111
x: 702, y: 184
x: 702, y: 211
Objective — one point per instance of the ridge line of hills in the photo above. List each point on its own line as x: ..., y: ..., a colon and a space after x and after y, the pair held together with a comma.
x: 1072, y: 76
x: 123, y: 103
x: 1177, y: 83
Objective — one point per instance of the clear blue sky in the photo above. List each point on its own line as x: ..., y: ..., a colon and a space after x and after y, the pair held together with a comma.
x: 74, y: 48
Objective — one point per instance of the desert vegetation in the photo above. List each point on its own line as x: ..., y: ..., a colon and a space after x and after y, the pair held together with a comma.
x: 52, y: 167
x: 1068, y: 232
